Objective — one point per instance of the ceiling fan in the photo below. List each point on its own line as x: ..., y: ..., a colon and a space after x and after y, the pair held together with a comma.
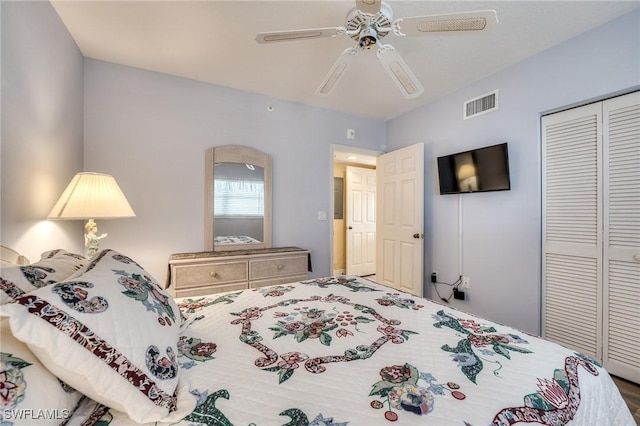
x: 371, y: 20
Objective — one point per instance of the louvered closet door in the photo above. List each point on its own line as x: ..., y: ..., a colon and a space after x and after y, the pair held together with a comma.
x: 621, y: 118
x: 572, y: 229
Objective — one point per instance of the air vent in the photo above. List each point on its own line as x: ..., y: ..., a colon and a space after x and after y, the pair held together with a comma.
x: 480, y: 105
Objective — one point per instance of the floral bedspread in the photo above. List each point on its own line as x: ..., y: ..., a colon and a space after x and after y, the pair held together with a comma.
x: 235, y: 239
x: 347, y: 351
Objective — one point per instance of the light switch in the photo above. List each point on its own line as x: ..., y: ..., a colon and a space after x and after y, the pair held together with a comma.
x: 322, y: 215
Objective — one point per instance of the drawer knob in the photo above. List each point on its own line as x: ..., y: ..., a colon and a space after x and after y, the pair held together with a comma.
x: 214, y: 274
x: 280, y: 267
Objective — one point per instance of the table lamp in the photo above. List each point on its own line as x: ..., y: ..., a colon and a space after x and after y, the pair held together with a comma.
x: 92, y: 196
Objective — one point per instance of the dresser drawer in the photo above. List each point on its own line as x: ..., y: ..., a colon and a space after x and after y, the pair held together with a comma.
x: 278, y: 266
x: 209, y: 273
x: 200, y: 273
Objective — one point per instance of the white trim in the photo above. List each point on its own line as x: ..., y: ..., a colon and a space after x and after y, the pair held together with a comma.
x: 333, y: 148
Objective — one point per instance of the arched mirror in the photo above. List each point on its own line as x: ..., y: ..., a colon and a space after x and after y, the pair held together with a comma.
x: 237, y: 198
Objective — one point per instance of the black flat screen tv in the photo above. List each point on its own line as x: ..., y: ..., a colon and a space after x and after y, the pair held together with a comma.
x: 478, y: 170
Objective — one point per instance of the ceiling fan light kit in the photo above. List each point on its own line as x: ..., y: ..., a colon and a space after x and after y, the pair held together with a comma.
x: 371, y: 20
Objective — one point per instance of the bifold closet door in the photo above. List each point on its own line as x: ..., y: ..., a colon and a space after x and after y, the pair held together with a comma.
x: 621, y: 261
x: 591, y: 231
x: 572, y: 229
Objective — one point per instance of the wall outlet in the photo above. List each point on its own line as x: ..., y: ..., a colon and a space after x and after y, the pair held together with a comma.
x: 465, y: 282
x: 434, y: 277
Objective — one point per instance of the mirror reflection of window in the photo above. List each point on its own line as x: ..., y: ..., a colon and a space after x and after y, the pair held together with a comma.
x: 237, y: 198
x: 238, y: 203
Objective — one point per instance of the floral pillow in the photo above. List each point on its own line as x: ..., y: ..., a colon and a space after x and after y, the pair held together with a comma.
x: 29, y: 393
x: 111, y: 332
x: 53, y: 266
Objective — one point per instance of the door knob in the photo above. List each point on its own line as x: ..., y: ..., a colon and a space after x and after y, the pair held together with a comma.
x: 351, y: 227
x: 416, y: 235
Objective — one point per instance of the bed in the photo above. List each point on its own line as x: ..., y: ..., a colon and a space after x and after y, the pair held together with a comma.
x: 235, y: 239
x: 114, y: 349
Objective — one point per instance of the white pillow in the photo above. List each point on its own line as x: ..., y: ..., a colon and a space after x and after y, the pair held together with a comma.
x: 53, y: 266
x: 109, y: 331
x: 29, y: 393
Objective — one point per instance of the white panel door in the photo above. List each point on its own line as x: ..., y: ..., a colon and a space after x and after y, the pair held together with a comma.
x: 361, y: 221
x: 400, y: 227
x: 621, y: 119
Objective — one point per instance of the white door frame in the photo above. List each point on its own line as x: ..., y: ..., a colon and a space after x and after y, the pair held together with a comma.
x: 335, y: 148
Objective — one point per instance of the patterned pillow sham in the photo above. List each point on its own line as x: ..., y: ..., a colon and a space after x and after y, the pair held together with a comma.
x: 111, y: 332
x: 53, y: 266
x: 29, y: 393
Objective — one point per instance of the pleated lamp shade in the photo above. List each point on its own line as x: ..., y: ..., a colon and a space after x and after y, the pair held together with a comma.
x: 92, y: 196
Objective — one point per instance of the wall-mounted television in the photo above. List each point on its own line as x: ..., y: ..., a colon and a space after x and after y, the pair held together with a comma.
x: 478, y: 170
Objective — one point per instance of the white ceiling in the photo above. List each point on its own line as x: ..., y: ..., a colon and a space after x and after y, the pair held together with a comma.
x: 214, y: 41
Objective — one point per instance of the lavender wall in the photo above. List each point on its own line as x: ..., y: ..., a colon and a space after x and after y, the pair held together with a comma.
x: 62, y: 114
x: 501, y: 231
x: 41, y: 127
x: 151, y: 131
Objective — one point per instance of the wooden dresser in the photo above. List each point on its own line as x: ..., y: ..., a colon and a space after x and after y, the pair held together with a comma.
x: 201, y: 273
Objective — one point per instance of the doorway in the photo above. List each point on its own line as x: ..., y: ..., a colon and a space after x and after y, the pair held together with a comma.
x: 345, y: 158
x: 398, y: 215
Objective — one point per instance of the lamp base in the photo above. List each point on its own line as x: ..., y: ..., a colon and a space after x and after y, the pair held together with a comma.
x: 91, y: 238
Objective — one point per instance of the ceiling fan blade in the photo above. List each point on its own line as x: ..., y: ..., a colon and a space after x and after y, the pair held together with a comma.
x: 370, y: 7
x: 399, y: 71
x: 337, y: 71
x: 292, y: 35
x: 449, y: 23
